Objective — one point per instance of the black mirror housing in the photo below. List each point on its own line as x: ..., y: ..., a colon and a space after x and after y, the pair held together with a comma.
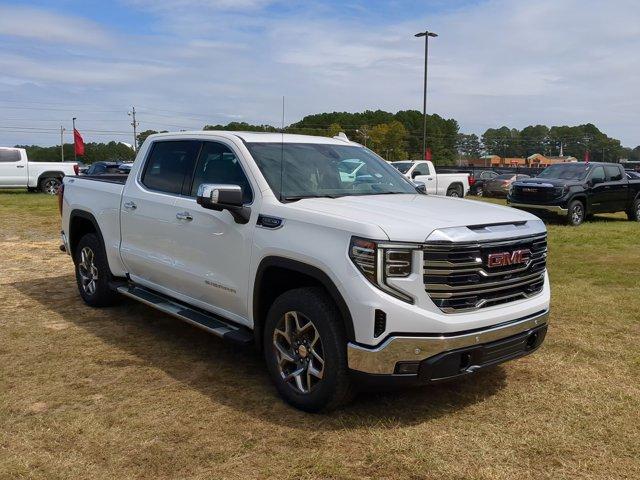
x: 219, y: 197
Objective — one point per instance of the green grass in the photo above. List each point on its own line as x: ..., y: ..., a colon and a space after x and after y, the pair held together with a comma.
x: 126, y: 392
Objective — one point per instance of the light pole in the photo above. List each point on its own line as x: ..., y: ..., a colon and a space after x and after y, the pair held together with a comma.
x: 426, y: 34
x: 62, y: 130
x: 74, y: 139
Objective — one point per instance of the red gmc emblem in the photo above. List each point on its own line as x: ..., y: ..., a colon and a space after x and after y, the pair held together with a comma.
x: 504, y: 259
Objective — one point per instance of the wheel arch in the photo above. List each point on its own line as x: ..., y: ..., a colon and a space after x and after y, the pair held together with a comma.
x: 456, y: 185
x: 82, y: 222
x: 276, y: 275
x: 50, y: 174
x: 584, y: 199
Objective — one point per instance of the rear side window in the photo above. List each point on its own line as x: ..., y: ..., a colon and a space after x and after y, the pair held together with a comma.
x: 170, y: 165
x: 218, y: 164
x: 613, y: 173
x: 7, y: 156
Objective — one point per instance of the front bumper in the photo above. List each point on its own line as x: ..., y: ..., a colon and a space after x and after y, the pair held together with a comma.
x: 533, y: 206
x: 439, y: 357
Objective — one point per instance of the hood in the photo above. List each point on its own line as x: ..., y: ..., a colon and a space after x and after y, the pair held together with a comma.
x: 546, y: 182
x: 411, y: 218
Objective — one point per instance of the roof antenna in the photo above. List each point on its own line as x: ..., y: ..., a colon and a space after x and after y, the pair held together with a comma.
x: 282, y: 151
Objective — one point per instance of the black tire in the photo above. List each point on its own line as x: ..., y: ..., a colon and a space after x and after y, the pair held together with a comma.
x: 455, y: 191
x: 49, y: 185
x: 93, y: 282
x: 634, y: 213
x: 312, y: 304
x: 576, y: 213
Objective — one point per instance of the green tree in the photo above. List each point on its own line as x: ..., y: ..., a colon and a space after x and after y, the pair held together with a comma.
x: 333, y: 130
x: 142, y: 136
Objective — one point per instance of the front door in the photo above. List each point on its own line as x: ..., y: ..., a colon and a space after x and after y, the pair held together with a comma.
x: 422, y: 173
x: 598, y: 190
x: 212, y: 251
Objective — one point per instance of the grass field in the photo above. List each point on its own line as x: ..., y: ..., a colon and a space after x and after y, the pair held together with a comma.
x: 127, y: 392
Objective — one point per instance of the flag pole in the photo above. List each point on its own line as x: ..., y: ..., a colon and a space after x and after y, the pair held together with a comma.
x: 74, y: 139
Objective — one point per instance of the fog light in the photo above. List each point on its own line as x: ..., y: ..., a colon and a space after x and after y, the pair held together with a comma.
x: 405, y: 368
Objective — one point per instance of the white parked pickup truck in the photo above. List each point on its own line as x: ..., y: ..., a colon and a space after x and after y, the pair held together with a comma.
x: 423, y: 172
x: 258, y: 238
x: 16, y: 171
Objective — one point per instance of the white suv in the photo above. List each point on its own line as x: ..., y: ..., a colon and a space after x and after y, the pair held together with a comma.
x: 262, y: 238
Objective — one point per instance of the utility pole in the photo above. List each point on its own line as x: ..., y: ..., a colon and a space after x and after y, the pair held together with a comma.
x: 74, y: 139
x: 62, y: 130
x: 134, y: 124
x: 426, y: 34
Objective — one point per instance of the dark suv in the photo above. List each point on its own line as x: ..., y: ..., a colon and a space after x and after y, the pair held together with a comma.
x: 577, y: 190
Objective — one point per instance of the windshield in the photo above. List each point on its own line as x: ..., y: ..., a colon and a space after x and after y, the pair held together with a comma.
x: 402, y: 167
x: 567, y: 171
x: 304, y: 170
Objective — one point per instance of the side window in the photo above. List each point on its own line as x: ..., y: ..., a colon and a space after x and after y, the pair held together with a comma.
x: 218, y: 164
x: 169, y: 165
x: 613, y: 173
x: 9, y: 156
x: 422, y: 169
x: 598, y: 175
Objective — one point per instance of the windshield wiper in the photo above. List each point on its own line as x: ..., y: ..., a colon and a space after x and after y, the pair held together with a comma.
x: 294, y: 198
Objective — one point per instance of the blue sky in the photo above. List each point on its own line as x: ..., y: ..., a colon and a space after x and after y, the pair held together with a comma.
x: 184, y: 63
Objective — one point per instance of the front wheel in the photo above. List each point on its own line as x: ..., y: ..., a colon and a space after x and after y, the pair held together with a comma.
x: 305, y: 348
x: 634, y: 213
x: 576, y: 213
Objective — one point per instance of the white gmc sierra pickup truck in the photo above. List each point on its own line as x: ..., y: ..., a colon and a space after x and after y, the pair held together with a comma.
x: 257, y: 238
x: 16, y: 171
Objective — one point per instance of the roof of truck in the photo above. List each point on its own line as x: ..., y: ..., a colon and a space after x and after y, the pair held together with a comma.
x: 264, y: 137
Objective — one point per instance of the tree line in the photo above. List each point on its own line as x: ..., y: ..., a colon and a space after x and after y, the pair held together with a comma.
x: 398, y: 136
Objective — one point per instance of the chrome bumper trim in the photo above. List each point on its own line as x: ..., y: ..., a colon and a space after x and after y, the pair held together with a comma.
x: 382, y: 359
x: 549, y: 208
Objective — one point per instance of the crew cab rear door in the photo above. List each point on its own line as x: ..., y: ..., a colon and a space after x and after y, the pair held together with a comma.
x: 13, y: 168
x: 616, y: 188
x: 148, y: 212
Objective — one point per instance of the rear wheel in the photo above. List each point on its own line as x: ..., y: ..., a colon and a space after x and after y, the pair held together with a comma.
x: 576, y: 213
x: 92, y: 272
x: 50, y: 185
x: 305, y: 348
x: 634, y: 213
x: 479, y: 192
x: 455, y: 191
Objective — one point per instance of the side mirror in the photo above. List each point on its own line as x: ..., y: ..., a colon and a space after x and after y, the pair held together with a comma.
x: 219, y: 197
x: 596, y: 181
x: 421, y: 187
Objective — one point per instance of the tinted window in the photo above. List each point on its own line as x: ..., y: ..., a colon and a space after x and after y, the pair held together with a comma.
x: 598, y: 175
x: 402, y: 167
x: 169, y: 165
x: 218, y: 164
x: 613, y: 172
x: 422, y: 169
x: 566, y: 171
x: 9, y: 156
x: 488, y: 175
x: 505, y: 176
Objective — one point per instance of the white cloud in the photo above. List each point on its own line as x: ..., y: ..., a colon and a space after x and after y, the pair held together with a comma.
x: 32, y: 23
x: 496, y: 62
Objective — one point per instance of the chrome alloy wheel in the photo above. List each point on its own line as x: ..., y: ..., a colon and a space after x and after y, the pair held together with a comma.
x: 638, y: 211
x: 298, y: 349
x: 51, y: 186
x: 577, y: 214
x: 88, y: 271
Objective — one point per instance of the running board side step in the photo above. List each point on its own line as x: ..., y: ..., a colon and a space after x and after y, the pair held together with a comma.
x: 204, y: 320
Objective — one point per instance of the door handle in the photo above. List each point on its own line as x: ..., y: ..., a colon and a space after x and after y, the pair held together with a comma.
x: 129, y: 205
x: 19, y: 166
x: 184, y: 216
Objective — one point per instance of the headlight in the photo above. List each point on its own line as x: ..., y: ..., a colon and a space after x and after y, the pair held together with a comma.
x: 378, y: 261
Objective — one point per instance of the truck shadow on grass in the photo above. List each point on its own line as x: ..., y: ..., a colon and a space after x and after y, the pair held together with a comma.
x: 237, y: 377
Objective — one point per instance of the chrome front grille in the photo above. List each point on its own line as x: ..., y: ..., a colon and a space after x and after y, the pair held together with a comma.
x: 458, y: 278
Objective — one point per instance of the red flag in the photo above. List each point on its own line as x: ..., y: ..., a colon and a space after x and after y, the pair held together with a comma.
x: 586, y: 156
x: 78, y: 143
x: 427, y: 155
